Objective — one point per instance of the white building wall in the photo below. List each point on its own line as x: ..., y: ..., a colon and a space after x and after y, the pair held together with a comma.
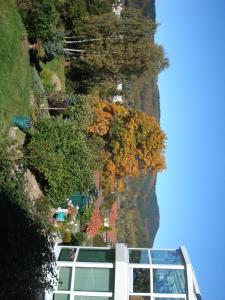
x: 121, y: 273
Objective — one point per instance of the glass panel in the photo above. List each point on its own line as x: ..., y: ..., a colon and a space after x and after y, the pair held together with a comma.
x: 67, y: 254
x: 91, y: 298
x: 89, y: 255
x: 139, y: 298
x: 169, y: 298
x: 138, y: 256
x: 61, y: 297
x: 166, y: 257
x: 141, y: 280
x: 94, y: 279
x: 64, y: 278
x: 169, y: 281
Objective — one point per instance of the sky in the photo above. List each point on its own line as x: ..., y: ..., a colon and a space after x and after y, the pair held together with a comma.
x: 191, y: 192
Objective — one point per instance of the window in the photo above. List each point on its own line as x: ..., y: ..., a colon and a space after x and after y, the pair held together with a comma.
x: 138, y: 256
x: 94, y: 279
x: 169, y: 281
x: 67, y: 254
x: 90, y: 255
x: 141, y: 280
x: 166, y: 257
x: 64, y: 278
x: 91, y: 298
x: 139, y: 298
x: 169, y: 298
x: 61, y: 297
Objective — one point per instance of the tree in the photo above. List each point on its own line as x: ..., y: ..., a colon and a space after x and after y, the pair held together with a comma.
x: 133, y: 142
x: 27, y: 259
x: 99, y: 7
x: 127, y: 226
x: 40, y: 19
x: 74, y: 11
x: 116, y: 48
x: 62, y: 157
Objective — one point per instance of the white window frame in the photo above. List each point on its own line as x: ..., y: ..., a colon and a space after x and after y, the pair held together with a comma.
x: 151, y: 267
x: 75, y: 264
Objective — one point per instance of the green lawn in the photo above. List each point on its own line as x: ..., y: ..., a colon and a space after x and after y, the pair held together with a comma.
x: 14, y: 65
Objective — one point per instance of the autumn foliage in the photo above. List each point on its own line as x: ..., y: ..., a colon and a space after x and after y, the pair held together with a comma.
x: 94, y: 224
x: 133, y: 142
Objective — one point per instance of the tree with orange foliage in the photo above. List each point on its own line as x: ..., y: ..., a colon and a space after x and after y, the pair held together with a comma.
x: 134, y: 142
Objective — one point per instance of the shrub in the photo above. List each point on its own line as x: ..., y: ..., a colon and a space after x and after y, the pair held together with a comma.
x: 79, y: 239
x: 98, y: 241
x: 53, y: 46
x: 11, y: 177
x: 62, y: 157
x: 85, y: 217
x: 47, y: 80
x: 94, y: 224
x: 42, y: 210
x: 67, y: 237
x: 109, y: 200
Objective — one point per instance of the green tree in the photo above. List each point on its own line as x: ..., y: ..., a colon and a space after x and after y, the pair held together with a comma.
x: 80, y: 110
x: 74, y: 11
x: 116, y: 48
x: 40, y: 19
x: 99, y: 7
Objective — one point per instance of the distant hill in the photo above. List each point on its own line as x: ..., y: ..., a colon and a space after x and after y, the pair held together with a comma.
x: 141, y: 198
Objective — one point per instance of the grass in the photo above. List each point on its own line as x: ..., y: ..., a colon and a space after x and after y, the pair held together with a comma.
x: 57, y: 66
x: 40, y: 99
x: 14, y: 65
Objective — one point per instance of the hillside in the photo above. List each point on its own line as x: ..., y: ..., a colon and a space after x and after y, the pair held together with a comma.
x: 15, y: 69
x: 143, y: 94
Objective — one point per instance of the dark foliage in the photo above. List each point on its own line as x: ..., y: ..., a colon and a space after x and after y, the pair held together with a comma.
x: 40, y: 19
x: 26, y: 258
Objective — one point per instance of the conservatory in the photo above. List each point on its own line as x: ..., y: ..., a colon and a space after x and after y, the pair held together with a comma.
x: 121, y: 273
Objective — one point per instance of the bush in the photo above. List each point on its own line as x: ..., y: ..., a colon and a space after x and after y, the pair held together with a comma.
x: 11, y: 177
x: 42, y: 210
x: 78, y: 239
x: 94, y: 223
x: 85, y: 217
x: 98, y: 241
x: 109, y: 200
x: 62, y: 158
x: 47, y: 80
x: 53, y: 46
x: 67, y: 237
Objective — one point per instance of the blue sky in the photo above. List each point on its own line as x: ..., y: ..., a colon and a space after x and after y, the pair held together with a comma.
x: 191, y: 192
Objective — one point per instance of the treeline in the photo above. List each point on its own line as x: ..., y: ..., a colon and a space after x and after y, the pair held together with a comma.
x: 101, y: 47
